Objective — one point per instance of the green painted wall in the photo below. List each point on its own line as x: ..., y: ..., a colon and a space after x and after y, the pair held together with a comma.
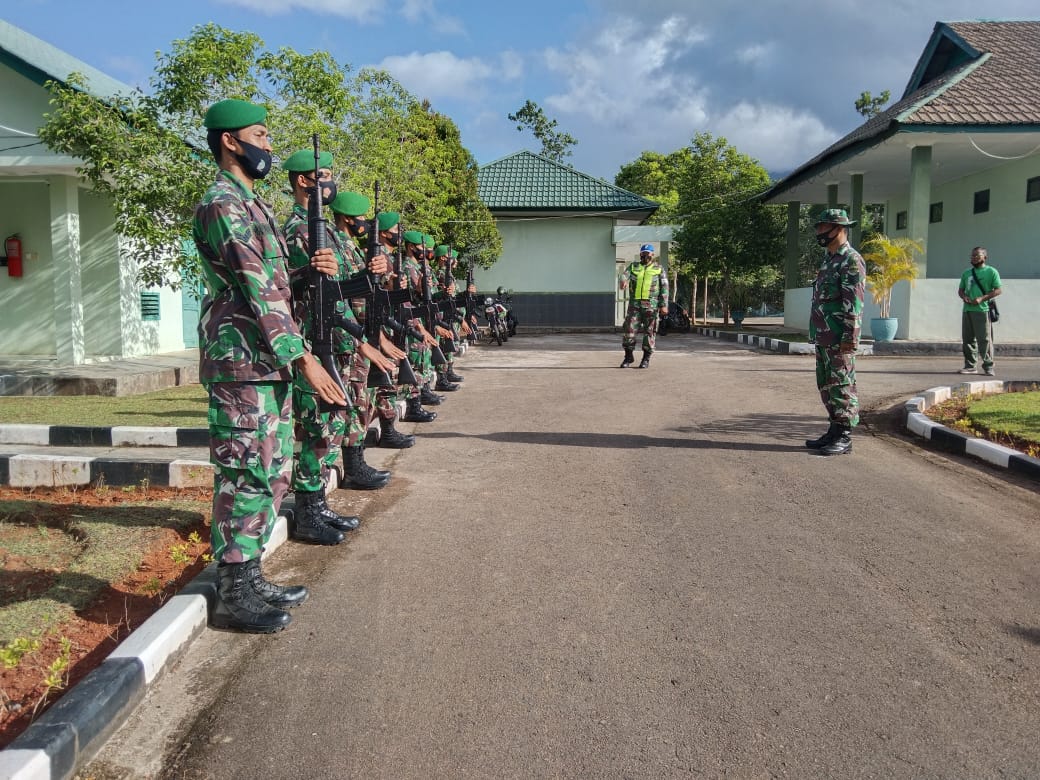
x: 99, y: 247
x: 1010, y: 230
x: 554, y: 255
x: 27, y: 303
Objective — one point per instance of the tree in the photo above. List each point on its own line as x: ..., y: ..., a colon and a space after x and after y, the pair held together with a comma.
x: 656, y: 176
x: 147, y: 152
x: 870, y: 106
x: 555, y: 144
x: 726, y: 232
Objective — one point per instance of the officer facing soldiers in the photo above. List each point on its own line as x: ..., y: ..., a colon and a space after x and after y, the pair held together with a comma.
x: 249, y: 351
x: 349, y: 209
x: 834, y: 324
x: 648, y: 298
x: 321, y: 433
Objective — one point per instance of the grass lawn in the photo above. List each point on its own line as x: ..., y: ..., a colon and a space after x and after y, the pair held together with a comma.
x: 176, y: 407
x: 1010, y: 414
x: 1011, y: 419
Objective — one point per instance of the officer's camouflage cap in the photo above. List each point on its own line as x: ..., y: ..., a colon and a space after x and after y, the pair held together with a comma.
x: 413, y: 237
x: 303, y: 161
x: 834, y: 217
x: 234, y: 114
x: 387, y: 219
x: 351, y: 204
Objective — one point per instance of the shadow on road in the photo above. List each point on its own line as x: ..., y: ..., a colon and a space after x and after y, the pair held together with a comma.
x: 614, y: 441
x: 1029, y: 634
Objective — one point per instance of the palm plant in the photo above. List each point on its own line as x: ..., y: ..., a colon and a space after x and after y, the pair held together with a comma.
x: 889, y: 261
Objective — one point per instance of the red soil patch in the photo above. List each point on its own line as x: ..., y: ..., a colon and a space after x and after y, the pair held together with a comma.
x: 119, y: 608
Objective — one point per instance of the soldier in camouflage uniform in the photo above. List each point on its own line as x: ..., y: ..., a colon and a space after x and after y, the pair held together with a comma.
x: 250, y: 347
x: 834, y: 325
x: 649, y: 297
x: 444, y: 257
x: 349, y: 209
x: 419, y: 353
x: 321, y: 433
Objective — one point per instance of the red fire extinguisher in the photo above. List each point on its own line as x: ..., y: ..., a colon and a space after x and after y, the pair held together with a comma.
x: 13, y: 249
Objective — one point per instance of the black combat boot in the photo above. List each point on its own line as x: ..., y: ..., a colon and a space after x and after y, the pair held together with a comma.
x: 451, y: 375
x: 444, y: 385
x: 359, y: 474
x: 238, y: 606
x: 823, y: 441
x: 278, y: 596
x: 391, y: 438
x: 645, y: 362
x: 308, y: 524
x: 335, y: 519
x: 630, y: 358
x: 415, y: 413
x: 428, y: 397
x: 841, y: 443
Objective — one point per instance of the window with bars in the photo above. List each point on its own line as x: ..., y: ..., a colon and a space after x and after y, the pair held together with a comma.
x: 149, y: 306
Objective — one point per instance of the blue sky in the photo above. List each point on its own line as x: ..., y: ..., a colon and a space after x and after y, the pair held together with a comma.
x: 777, y: 78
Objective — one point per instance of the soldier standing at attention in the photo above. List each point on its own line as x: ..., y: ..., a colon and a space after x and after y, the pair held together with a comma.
x: 649, y: 297
x: 349, y: 209
x: 249, y: 349
x: 320, y: 433
x: 834, y: 323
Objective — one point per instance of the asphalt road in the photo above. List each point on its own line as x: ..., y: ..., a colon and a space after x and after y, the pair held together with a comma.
x: 586, y: 572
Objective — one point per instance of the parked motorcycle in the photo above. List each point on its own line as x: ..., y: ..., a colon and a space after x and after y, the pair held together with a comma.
x: 495, y: 314
x: 503, y: 299
x: 677, y: 320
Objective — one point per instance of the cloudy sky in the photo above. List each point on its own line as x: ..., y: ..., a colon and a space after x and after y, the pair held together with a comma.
x: 777, y: 78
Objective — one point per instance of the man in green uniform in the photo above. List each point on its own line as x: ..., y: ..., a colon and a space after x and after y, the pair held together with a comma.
x: 419, y: 353
x: 834, y: 325
x: 443, y: 261
x: 350, y: 209
x: 647, y: 299
x: 250, y: 347
x: 321, y: 433
x: 979, y: 285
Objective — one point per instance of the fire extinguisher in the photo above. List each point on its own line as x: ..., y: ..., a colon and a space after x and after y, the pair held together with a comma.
x: 13, y: 249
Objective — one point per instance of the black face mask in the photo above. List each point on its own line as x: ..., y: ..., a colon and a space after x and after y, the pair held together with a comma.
x: 256, y: 162
x: 357, y: 227
x: 824, y: 239
x: 393, y: 239
x: 328, y: 191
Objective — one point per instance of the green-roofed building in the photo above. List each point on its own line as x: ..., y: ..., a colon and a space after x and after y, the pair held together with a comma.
x: 563, y: 237
x: 78, y: 297
x: 954, y: 163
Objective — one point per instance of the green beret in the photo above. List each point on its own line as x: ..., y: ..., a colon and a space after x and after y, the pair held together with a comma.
x: 387, y: 219
x: 427, y: 240
x: 413, y: 237
x: 440, y: 250
x: 303, y: 161
x: 351, y: 204
x: 454, y: 253
x: 233, y: 115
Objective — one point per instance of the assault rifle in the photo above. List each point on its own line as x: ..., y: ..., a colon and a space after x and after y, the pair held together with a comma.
x: 392, y: 303
x: 469, y: 300
x: 448, y: 306
x: 375, y: 316
x: 325, y: 294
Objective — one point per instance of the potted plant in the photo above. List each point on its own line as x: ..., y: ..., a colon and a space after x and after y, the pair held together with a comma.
x: 889, y: 261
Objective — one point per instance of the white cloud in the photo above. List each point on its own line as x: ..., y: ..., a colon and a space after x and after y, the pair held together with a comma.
x: 779, y: 137
x: 441, y: 74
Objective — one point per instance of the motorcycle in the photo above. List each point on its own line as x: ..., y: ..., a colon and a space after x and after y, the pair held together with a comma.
x: 677, y: 320
x: 495, y: 314
x: 503, y: 299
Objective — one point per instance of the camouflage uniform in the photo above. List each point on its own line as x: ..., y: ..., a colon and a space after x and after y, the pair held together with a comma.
x: 648, y: 292
x: 419, y: 353
x: 837, y: 310
x: 248, y: 343
x: 320, y: 433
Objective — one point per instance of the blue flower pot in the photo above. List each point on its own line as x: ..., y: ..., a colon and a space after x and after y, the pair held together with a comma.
x: 738, y: 316
x: 884, y: 328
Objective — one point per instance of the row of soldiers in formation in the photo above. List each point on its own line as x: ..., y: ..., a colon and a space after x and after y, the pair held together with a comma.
x: 259, y: 337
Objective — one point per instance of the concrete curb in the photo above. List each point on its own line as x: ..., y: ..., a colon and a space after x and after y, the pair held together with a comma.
x: 918, y: 423
x: 773, y: 345
x: 116, y: 436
